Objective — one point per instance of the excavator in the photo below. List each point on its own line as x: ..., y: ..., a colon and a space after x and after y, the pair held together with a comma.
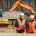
x: 20, y: 3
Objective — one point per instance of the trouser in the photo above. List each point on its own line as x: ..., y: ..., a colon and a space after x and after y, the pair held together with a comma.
x: 28, y: 29
x: 20, y: 31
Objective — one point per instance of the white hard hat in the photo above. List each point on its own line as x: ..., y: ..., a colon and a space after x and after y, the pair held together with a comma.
x: 22, y: 14
x: 32, y: 16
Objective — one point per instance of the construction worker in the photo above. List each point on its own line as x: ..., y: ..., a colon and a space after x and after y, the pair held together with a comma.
x: 29, y: 24
x: 20, y: 24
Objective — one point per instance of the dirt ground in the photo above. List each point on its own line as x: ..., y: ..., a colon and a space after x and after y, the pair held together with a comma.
x: 17, y: 34
x: 13, y: 33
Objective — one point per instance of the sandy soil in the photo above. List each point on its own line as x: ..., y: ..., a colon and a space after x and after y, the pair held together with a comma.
x: 17, y: 34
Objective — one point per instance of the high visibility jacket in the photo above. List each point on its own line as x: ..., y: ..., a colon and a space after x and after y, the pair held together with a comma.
x: 29, y: 24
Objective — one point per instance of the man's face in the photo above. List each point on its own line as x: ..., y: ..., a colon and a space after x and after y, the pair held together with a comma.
x: 22, y: 17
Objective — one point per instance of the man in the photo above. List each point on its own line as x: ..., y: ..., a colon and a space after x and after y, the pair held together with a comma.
x: 20, y: 24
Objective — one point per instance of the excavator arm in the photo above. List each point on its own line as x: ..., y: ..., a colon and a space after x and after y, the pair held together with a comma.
x: 27, y: 7
x: 15, y: 5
